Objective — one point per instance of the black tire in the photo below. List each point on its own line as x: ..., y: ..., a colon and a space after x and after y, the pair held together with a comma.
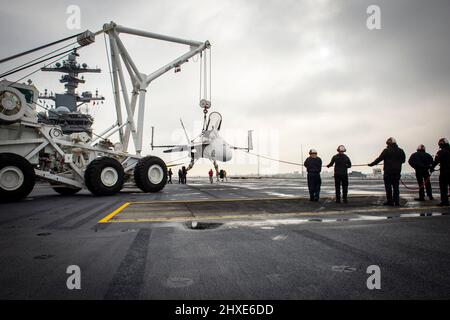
x: 93, y: 176
x: 141, y: 174
x: 66, y: 191
x: 23, y: 170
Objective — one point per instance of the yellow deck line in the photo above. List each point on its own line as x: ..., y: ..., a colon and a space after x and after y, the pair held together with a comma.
x: 114, y: 213
x: 238, y: 216
x: 253, y: 215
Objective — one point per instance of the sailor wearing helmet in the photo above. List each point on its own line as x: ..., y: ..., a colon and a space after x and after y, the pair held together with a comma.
x: 341, y: 164
x: 393, y: 157
x: 313, y: 165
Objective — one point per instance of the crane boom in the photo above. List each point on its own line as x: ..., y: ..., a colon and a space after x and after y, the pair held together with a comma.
x: 140, y: 81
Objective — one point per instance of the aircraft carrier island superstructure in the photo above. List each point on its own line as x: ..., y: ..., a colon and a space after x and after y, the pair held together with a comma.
x: 65, y: 112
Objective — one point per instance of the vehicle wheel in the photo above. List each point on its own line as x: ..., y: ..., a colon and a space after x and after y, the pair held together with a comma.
x: 66, y: 191
x: 104, y: 176
x: 12, y: 105
x: 150, y: 174
x: 17, y: 177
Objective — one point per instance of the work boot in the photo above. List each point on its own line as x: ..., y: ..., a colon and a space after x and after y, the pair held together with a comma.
x: 345, y: 200
x: 396, y: 204
x: 338, y: 200
x: 419, y: 199
x: 388, y: 203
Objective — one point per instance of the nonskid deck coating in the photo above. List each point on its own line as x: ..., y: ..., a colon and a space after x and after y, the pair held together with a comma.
x: 220, y: 209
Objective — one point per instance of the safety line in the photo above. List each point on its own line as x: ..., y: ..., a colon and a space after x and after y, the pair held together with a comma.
x: 353, y: 165
x: 294, y: 163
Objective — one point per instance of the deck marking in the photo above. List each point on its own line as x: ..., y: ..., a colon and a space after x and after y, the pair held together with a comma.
x: 108, y: 218
x: 270, y: 215
x: 114, y: 213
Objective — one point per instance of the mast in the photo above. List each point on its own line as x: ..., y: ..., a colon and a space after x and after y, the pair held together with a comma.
x: 65, y: 112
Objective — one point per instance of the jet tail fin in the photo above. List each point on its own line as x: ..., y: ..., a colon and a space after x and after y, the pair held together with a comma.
x: 250, y: 140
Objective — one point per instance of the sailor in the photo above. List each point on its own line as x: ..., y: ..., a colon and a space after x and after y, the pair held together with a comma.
x: 180, y: 176
x: 341, y: 164
x: 393, y: 158
x: 443, y: 159
x: 313, y: 165
x: 422, y: 161
x: 183, y: 175
x: 170, y: 173
x: 211, y: 174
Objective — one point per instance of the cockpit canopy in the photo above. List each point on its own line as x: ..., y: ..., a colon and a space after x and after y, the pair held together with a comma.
x: 214, y: 121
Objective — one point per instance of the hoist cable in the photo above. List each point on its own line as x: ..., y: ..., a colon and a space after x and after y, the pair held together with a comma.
x: 37, y: 70
x: 37, y: 49
x: 33, y: 64
x: 201, y: 72
x: 205, y: 71
x: 28, y: 64
x: 210, y: 76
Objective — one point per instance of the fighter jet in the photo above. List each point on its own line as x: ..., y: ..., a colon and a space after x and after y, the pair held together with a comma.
x: 209, y: 144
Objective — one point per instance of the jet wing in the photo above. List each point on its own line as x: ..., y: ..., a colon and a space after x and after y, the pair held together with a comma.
x: 180, y: 148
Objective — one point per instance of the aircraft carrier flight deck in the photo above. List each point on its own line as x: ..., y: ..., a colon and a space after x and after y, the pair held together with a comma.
x: 245, y: 239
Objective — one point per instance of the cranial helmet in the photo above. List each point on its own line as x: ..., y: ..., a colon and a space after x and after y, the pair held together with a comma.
x: 443, y: 142
x: 391, y: 140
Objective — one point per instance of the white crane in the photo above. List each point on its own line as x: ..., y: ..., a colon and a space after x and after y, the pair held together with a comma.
x: 30, y: 149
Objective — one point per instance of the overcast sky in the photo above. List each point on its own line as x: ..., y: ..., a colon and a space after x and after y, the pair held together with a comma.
x: 297, y: 72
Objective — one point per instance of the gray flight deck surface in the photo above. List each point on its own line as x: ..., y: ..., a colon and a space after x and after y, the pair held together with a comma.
x: 254, y: 239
